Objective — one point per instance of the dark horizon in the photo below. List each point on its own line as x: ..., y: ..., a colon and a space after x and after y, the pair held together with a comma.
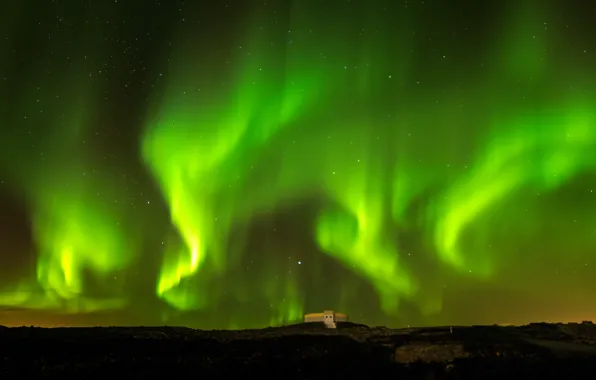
x: 238, y: 165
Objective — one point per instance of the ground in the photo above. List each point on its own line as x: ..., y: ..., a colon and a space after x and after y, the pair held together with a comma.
x: 304, y: 351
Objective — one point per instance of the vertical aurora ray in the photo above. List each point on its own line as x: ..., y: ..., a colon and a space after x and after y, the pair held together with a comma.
x: 77, y: 229
x: 358, y: 231
x: 525, y: 40
x: 202, y: 149
x: 356, y: 236
x: 80, y: 221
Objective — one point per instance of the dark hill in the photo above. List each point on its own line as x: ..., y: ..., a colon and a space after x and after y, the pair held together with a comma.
x: 303, y: 351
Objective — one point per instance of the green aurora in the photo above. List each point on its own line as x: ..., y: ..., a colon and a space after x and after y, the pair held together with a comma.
x: 375, y: 158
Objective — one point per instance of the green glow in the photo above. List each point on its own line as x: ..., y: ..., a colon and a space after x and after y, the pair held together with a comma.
x: 80, y: 230
x: 74, y: 234
x: 543, y: 151
x: 286, y: 301
x: 358, y: 236
x: 373, y: 157
x: 525, y: 40
x: 188, y: 143
x: 193, y: 139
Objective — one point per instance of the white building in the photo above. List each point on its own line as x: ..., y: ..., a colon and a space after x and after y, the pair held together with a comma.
x: 328, y: 317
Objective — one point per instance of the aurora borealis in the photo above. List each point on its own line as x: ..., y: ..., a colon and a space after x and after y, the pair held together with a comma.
x: 236, y: 165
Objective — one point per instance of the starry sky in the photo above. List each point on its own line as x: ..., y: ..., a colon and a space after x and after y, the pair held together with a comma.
x: 236, y: 164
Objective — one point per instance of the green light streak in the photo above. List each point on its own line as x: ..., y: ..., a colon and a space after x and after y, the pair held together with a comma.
x: 357, y: 235
x: 543, y: 151
x: 191, y: 140
x: 80, y: 229
x: 425, y: 170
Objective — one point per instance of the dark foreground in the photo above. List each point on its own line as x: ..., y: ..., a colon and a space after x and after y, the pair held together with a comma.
x: 536, y: 351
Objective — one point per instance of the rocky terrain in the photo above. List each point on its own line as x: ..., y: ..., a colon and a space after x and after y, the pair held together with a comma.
x: 304, y: 351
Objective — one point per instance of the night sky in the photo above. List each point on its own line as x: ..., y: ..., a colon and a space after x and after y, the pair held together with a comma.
x: 236, y: 164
